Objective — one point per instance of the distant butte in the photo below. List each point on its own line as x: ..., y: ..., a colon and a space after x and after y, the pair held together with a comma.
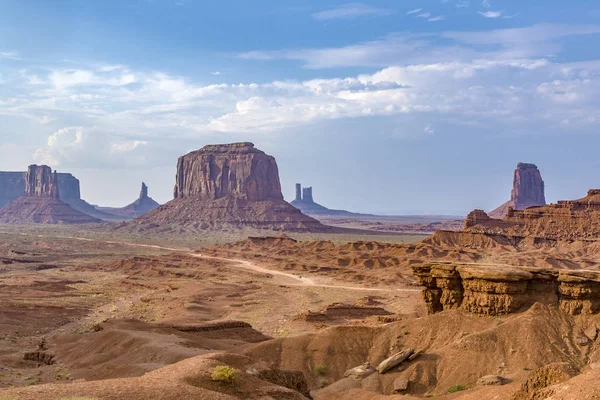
x: 40, y: 203
x: 143, y: 205
x: 229, y: 186
x: 304, y: 202
x: 527, y: 191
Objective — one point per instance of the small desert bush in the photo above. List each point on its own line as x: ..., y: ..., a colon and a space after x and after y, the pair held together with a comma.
x: 320, y: 370
x: 323, y: 382
x: 456, y: 388
x: 223, y: 374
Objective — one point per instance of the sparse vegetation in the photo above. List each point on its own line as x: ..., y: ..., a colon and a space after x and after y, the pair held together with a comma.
x: 320, y: 370
x: 323, y: 382
x: 456, y: 388
x: 223, y: 374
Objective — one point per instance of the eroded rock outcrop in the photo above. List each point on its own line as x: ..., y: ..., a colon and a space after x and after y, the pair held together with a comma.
x: 566, y: 220
x: 527, y: 190
x: 237, y: 169
x: 12, y: 186
x: 41, y: 202
x: 143, y: 205
x: 40, y: 181
x: 304, y: 202
x: 498, y: 290
x: 225, y: 186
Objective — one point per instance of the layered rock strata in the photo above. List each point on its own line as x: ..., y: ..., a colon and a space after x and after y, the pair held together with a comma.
x: 230, y: 185
x: 527, y: 190
x: 565, y: 220
x: 498, y: 290
x: 41, y: 202
x: 12, y: 186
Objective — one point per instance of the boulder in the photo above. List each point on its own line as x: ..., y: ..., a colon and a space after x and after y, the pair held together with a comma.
x: 491, y: 380
x: 394, y: 360
x: 400, y: 384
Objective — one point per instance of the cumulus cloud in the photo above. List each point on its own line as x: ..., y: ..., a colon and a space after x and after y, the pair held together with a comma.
x: 110, y: 115
x: 351, y: 11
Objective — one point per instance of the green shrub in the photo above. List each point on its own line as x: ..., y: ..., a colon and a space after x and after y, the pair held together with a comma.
x: 320, y: 370
x: 223, y: 374
x: 456, y: 388
x: 323, y: 382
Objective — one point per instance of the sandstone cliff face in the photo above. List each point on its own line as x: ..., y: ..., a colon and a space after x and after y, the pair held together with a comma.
x: 566, y: 220
x: 41, y: 202
x: 228, y: 186
x: 497, y: 290
x: 527, y: 191
x: 69, y: 188
x: 41, y: 182
x: 12, y: 186
x: 237, y: 169
x: 528, y: 187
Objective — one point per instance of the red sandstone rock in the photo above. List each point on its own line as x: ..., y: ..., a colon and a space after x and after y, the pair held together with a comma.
x: 527, y: 191
x: 225, y: 186
x: 237, y: 169
x: 566, y: 220
x: 40, y: 203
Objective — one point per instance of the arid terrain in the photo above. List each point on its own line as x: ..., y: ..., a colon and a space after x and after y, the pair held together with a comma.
x: 229, y: 292
x: 110, y: 318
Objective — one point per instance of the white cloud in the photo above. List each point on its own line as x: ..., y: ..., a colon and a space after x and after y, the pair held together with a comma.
x: 491, y: 14
x: 416, y: 10
x: 216, y: 73
x: 11, y: 55
x: 424, y: 15
x: 351, y: 11
x: 438, y: 18
x: 108, y: 117
x: 127, y: 146
x: 463, y: 4
x: 486, y: 3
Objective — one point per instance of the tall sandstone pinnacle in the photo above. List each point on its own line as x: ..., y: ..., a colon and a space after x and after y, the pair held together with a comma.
x: 143, y: 205
x: 229, y: 185
x: 527, y: 191
x: 41, y: 182
x: 41, y: 203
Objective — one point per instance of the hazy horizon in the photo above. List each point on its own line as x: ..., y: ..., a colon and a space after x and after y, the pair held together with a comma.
x: 424, y: 107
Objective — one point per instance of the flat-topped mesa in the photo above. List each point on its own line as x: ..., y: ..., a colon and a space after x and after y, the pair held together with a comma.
x: 41, y: 203
x: 498, y: 290
x: 527, y: 191
x: 238, y: 169
x: 41, y: 182
x: 228, y: 186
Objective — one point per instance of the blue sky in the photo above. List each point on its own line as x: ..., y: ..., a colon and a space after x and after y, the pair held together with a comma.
x: 400, y: 107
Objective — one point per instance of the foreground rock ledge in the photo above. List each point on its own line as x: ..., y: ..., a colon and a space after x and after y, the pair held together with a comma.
x: 498, y: 290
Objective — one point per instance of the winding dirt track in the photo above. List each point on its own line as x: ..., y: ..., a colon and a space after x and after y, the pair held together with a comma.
x: 282, y: 278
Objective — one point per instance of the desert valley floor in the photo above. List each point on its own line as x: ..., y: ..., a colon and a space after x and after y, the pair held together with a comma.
x: 91, y: 314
